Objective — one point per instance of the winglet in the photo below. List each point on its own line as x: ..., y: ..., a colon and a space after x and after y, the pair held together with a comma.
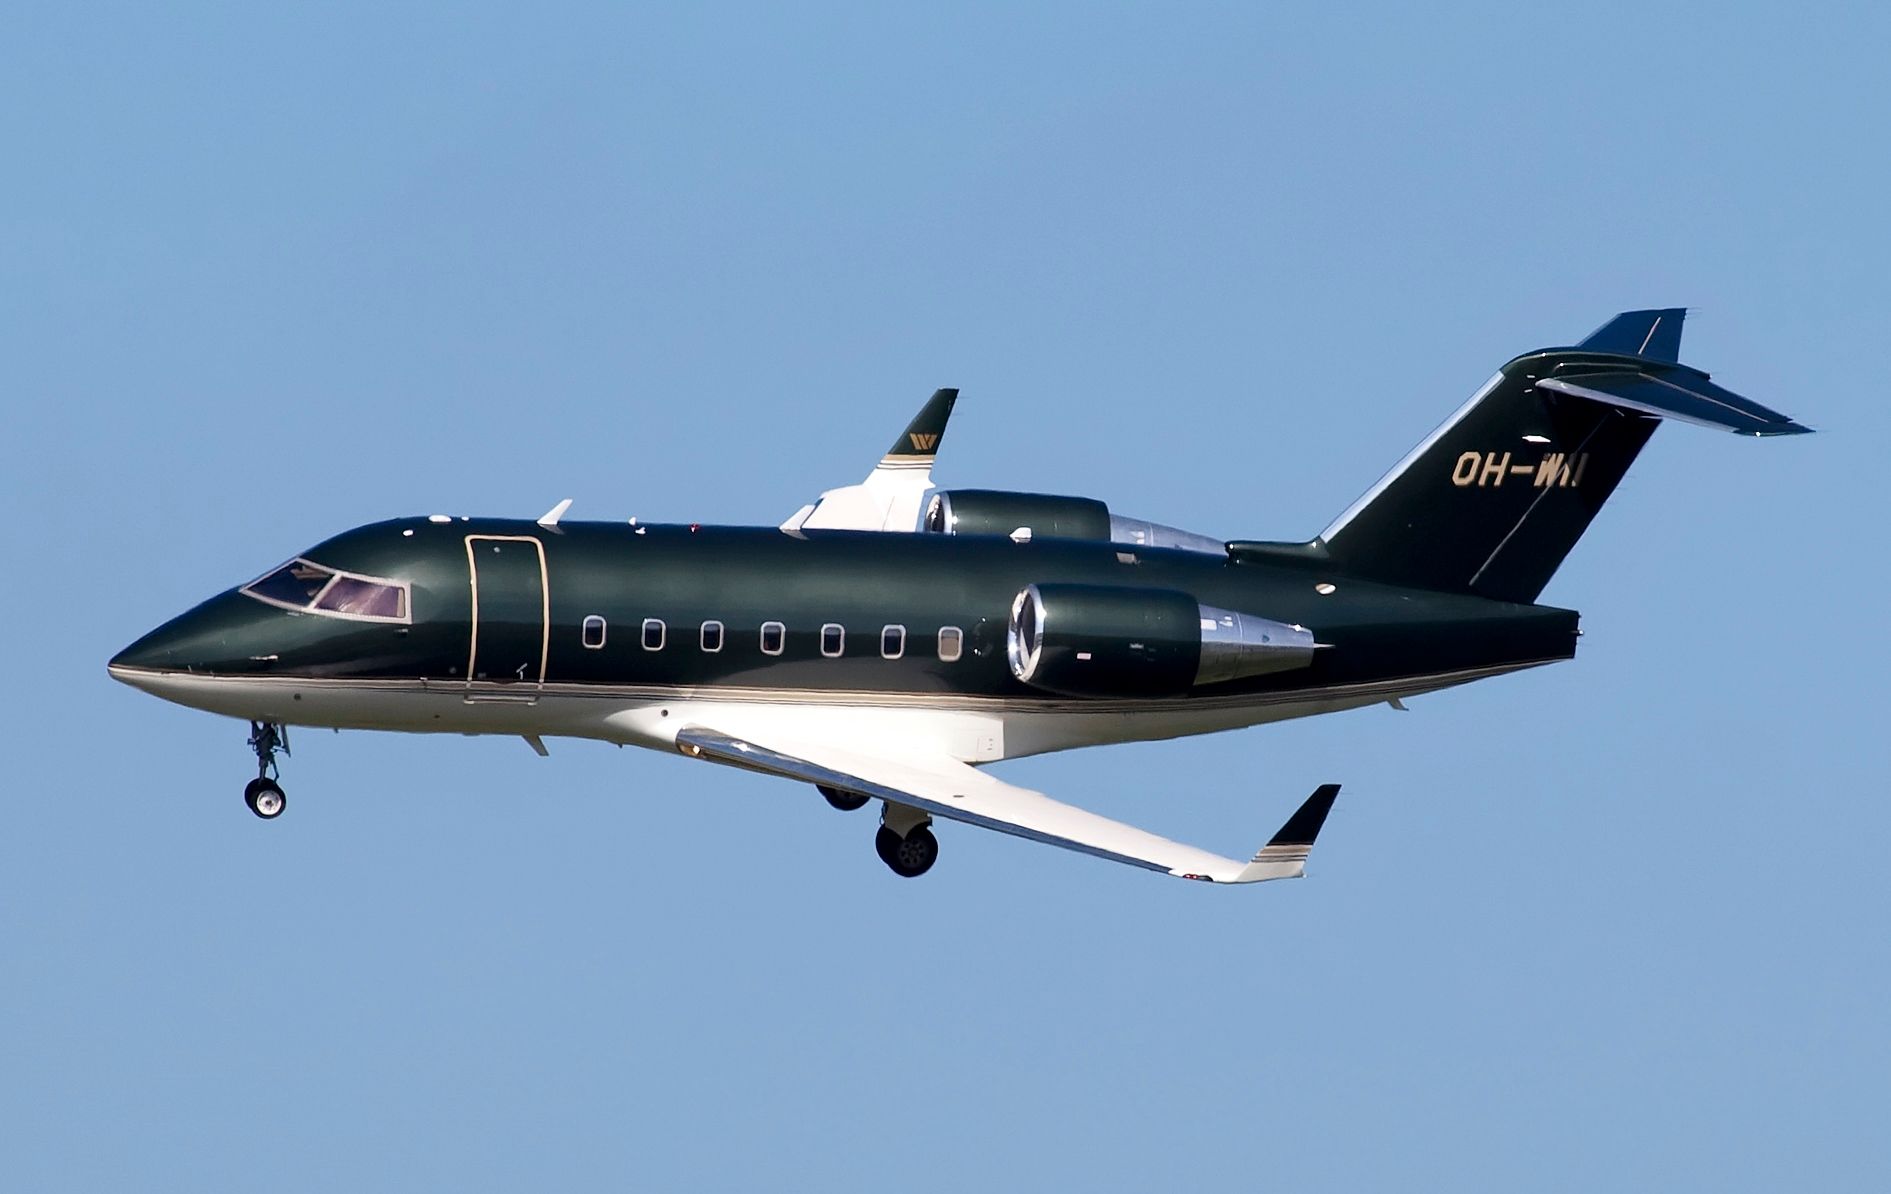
x: 919, y: 443
x: 889, y: 499
x: 1285, y: 856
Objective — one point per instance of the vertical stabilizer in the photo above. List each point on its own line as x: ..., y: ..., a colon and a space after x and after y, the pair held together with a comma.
x: 1492, y: 502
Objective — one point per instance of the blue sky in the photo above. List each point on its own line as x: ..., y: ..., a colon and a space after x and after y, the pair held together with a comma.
x: 270, y: 274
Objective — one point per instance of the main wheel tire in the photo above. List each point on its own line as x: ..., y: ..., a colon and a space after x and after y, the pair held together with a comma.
x: 265, y: 798
x: 908, y: 857
x: 846, y: 802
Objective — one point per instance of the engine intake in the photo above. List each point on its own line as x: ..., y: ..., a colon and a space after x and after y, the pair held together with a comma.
x: 1107, y: 641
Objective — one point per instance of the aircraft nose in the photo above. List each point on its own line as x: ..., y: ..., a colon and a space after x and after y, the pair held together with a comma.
x: 155, y: 651
x: 199, y: 640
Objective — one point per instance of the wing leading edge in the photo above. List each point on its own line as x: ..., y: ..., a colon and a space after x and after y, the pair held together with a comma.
x: 950, y: 789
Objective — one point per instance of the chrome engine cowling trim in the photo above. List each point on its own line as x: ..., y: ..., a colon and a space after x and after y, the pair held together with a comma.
x: 1237, y: 645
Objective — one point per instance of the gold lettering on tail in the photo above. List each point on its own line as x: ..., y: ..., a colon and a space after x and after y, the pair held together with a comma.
x: 1487, y: 470
x: 1495, y: 467
x: 1465, y: 471
x: 922, y: 443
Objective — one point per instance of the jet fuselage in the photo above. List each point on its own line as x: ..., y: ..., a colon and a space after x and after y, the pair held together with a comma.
x: 511, y: 626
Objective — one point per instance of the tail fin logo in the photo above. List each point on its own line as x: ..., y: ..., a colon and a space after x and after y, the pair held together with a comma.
x: 922, y: 442
x: 1487, y: 470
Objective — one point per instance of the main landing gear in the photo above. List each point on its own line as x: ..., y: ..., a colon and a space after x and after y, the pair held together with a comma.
x: 909, y: 857
x: 264, y: 794
x: 846, y: 802
x: 904, y: 843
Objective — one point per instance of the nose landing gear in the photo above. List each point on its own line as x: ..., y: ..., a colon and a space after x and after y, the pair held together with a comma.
x: 265, y: 798
x: 263, y: 794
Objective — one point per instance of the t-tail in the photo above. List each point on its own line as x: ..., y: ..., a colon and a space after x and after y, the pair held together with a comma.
x: 1491, y: 502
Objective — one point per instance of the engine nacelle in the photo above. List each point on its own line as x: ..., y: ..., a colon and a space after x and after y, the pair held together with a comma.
x: 1051, y: 516
x: 1107, y: 641
x: 996, y: 512
x: 1095, y: 640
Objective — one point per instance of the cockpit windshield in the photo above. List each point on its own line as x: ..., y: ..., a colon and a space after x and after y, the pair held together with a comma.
x: 295, y: 584
x: 305, y: 585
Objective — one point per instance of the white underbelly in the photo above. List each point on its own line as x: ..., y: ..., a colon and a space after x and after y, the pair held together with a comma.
x: 971, y: 729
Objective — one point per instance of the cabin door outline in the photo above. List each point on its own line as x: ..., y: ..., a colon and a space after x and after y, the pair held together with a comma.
x: 515, y: 651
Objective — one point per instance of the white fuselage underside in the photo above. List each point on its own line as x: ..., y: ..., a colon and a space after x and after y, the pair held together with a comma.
x: 969, y: 729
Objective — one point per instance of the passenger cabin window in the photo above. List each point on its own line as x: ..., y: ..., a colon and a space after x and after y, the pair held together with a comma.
x: 951, y: 642
x: 306, y: 586
x: 892, y: 642
x: 653, y: 631
x: 833, y: 638
x: 593, y: 632
x: 712, y: 637
x: 774, y: 637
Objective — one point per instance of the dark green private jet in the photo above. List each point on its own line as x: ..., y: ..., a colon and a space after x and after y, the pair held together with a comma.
x: 889, y: 639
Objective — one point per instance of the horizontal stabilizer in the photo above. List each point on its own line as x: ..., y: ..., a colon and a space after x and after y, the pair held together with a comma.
x: 1652, y: 334
x: 1674, y: 392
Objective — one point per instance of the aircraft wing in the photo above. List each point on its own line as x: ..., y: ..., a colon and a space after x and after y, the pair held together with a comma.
x: 889, y: 499
x: 954, y: 791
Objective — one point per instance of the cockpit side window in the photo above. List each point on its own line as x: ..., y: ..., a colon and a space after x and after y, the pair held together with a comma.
x: 306, y: 586
x: 363, y: 598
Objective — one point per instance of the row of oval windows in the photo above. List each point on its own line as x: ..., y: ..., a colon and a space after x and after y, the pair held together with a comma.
x: 774, y: 638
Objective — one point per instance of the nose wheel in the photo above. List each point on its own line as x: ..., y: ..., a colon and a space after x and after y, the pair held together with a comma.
x: 265, y: 798
x: 263, y: 794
